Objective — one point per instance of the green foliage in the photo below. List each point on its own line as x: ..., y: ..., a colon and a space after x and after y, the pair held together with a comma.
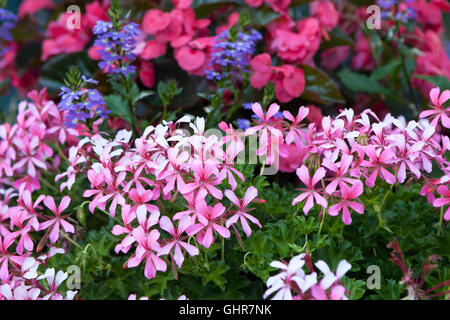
x: 319, y: 87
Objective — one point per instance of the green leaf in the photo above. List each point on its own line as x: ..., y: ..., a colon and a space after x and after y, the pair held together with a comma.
x: 142, y: 95
x: 355, y: 287
x: 358, y: 82
x: 215, y: 274
x: 299, y: 2
x: 337, y: 38
x: 118, y: 107
x: 385, y: 70
x: 319, y: 87
x: 204, y: 7
x: 439, y: 81
x: 262, y: 16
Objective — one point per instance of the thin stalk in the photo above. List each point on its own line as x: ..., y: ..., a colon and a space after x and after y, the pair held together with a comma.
x: 70, y: 240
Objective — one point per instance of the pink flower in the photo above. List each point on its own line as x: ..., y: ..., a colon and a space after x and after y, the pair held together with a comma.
x: 261, y: 65
x: 30, y: 7
x: 289, y: 82
x: 194, y: 56
x: 296, y: 47
x: 147, y: 248
x: 207, y: 217
x: 438, y: 112
x: 25, y: 203
x: 176, y: 244
x: 242, y: 212
x: 20, y: 292
x: 378, y: 159
x: 264, y: 121
x: 341, y: 170
x: 311, y: 193
x: 147, y: 74
x: 128, y: 216
x: 254, y: 3
x: 153, y: 49
x: 62, y: 39
x: 334, y: 56
x: 155, y: 21
x: 407, y: 154
x: 206, y: 177
x: 295, y: 134
x: 113, y: 192
x: 347, y: 194
x: 5, y: 257
x: 330, y: 282
x: 439, y: 202
x: 362, y: 59
x: 30, y: 155
x: 326, y: 13
x: 54, y: 223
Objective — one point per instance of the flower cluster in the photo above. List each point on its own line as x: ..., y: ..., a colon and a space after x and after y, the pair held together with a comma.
x: 25, y: 283
x: 401, y: 10
x: 80, y: 103
x: 185, y: 34
x: 162, y: 165
x: 336, y: 159
x: 293, y: 283
x: 115, y: 44
x: 231, y: 55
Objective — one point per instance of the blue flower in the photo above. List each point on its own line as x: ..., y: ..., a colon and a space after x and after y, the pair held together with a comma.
x: 116, y: 46
x: 243, y: 124
x: 7, y: 23
x: 82, y: 104
x: 230, y: 58
x: 386, y: 4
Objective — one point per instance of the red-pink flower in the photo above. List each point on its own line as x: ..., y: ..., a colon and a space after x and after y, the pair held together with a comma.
x: 30, y: 7
x: 261, y: 66
x: 326, y: 13
x: 289, y: 82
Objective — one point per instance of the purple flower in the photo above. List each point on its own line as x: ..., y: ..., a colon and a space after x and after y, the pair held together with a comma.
x: 7, y: 23
x: 82, y: 104
x: 231, y: 57
x: 116, y: 46
x: 243, y: 124
x: 386, y: 4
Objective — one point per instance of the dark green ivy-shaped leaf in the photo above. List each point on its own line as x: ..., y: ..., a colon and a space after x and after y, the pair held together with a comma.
x: 319, y: 87
x: 337, y: 38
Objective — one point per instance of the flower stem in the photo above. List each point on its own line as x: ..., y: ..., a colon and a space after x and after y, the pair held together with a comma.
x: 70, y: 240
